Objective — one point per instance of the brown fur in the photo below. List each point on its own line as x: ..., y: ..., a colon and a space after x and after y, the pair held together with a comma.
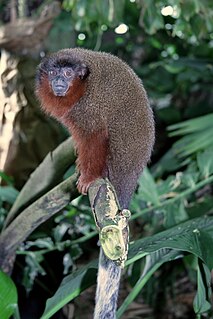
x: 92, y: 153
x: 109, y: 117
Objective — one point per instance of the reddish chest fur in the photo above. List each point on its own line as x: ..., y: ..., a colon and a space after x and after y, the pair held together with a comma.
x: 92, y: 148
x: 58, y: 106
x: 92, y: 156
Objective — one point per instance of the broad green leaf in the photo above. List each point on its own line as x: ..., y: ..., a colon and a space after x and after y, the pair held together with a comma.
x: 203, y: 295
x: 153, y: 262
x: 71, y: 286
x: 8, y: 296
x: 194, y: 236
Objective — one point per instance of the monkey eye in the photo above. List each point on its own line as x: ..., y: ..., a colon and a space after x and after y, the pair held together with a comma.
x: 68, y: 73
x: 52, y: 73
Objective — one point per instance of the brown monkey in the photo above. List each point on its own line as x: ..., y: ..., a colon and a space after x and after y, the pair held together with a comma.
x: 104, y: 105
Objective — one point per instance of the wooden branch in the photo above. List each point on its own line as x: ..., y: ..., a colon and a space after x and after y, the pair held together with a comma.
x: 112, y: 222
x: 32, y: 217
x: 25, y: 36
x: 53, y: 167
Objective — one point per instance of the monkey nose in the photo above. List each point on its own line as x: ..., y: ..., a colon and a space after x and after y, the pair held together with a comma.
x: 60, y: 81
x: 59, y: 87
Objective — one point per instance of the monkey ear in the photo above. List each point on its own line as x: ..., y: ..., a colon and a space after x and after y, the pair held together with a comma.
x: 82, y: 71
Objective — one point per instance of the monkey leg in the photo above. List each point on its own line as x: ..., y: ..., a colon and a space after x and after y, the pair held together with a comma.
x: 92, y: 153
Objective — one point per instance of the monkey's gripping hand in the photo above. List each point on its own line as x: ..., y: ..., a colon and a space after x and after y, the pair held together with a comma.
x: 110, y: 220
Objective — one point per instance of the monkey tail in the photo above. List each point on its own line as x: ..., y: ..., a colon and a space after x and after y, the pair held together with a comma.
x: 107, y: 288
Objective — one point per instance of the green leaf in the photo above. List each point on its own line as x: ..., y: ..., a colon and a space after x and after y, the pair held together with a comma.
x: 68, y: 4
x: 8, y: 179
x: 175, y: 213
x: 8, y: 296
x: 40, y: 243
x: 153, y: 262
x: 188, y: 9
x: 151, y: 18
x: 173, y: 68
x: 191, y: 126
x: 205, y: 162
x: 203, y: 295
x: 200, y: 208
x: 147, y: 188
x: 169, y: 162
x: 194, y: 236
x: 198, y: 26
x: 193, y: 143
x: 8, y: 194
x: 71, y: 286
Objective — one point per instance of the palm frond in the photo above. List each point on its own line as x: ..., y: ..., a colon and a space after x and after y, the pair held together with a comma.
x: 197, y: 135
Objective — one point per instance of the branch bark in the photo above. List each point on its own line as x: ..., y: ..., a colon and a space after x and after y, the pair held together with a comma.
x: 112, y: 222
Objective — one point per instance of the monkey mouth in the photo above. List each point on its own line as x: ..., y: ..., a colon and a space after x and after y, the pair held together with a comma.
x: 60, y: 90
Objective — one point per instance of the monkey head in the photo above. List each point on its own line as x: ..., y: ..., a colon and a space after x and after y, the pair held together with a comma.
x: 60, y: 83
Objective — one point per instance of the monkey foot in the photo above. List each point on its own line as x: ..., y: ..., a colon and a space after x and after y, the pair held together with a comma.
x: 83, y: 185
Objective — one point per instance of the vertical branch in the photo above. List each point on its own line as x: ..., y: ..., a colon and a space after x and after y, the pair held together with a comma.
x: 22, y: 8
x: 113, y: 229
x: 13, y: 12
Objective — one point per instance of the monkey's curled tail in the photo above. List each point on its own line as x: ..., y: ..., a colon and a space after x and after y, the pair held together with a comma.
x: 107, y: 288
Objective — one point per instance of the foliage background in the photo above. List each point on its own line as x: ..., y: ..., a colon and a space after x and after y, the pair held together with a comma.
x: 170, y: 46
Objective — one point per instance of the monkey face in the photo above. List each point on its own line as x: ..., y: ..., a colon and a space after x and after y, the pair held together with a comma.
x: 61, y: 73
x: 61, y: 79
